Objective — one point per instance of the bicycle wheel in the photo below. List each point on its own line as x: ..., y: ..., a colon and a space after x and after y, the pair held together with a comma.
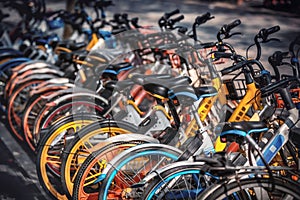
x: 49, y: 151
x: 283, y: 189
x: 32, y: 108
x: 84, y: 183
x: 132, y: 165
x: 181, y: 180
x: 49, y: 115
x: 16, y: 105
x: 84, y: 144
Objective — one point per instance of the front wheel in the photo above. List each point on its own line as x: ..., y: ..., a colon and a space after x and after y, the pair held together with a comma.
x: 85, y: 184
x: 255, y: 188
x: 132, y: 165
x: 182, y: 180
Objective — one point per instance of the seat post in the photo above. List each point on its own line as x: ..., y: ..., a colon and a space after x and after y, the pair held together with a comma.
x: 197, y: 117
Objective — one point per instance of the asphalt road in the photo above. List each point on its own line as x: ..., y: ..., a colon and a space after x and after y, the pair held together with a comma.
x: 18, y: 178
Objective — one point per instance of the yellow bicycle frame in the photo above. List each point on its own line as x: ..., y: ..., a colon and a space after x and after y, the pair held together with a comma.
x: 251, y: 98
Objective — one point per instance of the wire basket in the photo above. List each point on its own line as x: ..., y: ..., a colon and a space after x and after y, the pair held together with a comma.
x: 236, y: 87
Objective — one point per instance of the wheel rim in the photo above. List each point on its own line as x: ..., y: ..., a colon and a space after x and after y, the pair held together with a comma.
x: 51, y: 163
x: 87, y: 188
x: 81, y: 150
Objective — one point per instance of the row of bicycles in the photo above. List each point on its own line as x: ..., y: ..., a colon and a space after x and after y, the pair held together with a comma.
x: 126, y: 111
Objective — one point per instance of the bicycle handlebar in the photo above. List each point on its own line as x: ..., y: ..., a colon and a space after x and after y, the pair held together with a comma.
x: 233, y: 68
x: 239, y: 65
x: 217, y: 55
x: 168, y: 15
x: 205, y: 45
x: 232, y: 25
x: 274, y: 87
x: 273, y: 29
x: 226, y: 28
x: 265, y: 32
x: 177, y: 19
x: 203, y: 18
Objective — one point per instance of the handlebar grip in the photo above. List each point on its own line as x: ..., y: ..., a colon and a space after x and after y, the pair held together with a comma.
x: 174, y: 12
x: 203, y: 18
x: 222, y: 55
x: 177, y: 19
x: 273, y: 29
x: 233, y: 24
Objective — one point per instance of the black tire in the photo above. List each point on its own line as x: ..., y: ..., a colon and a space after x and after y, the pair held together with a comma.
x: 284, y: 188
x: 49, y: 150
x: 63, y: 109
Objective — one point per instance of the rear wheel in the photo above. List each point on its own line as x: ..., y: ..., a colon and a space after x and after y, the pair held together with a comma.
x: 133, y: 165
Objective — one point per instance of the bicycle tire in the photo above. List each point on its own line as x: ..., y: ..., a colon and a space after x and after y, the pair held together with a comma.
x: 282, y: 186
x: 49, y: 115
x: 85, y: 143
x: 14, y: 110
x: 181, y: 180
x: 84, y: 186
x: 34, y: 104
x: 49, y: 175
x: 137, y: 162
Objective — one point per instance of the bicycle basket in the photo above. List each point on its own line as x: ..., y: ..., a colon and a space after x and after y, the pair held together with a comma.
x: 236, y: 87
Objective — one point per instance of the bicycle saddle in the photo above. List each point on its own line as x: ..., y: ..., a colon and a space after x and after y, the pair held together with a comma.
x: 187, y: 94
x: 245, y: 126
x: 236, y: 131
x: 163, y: 79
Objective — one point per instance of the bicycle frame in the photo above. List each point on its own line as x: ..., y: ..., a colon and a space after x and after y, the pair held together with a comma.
x: 251, y: 98
x: 279, y: 139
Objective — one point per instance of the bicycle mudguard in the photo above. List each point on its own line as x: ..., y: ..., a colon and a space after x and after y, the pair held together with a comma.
x: 78, y: 95
x: 13, y: 62
x: 133, y: 137
x: 166, y: 168
x: 37, y: 77
x: 36, y: 64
